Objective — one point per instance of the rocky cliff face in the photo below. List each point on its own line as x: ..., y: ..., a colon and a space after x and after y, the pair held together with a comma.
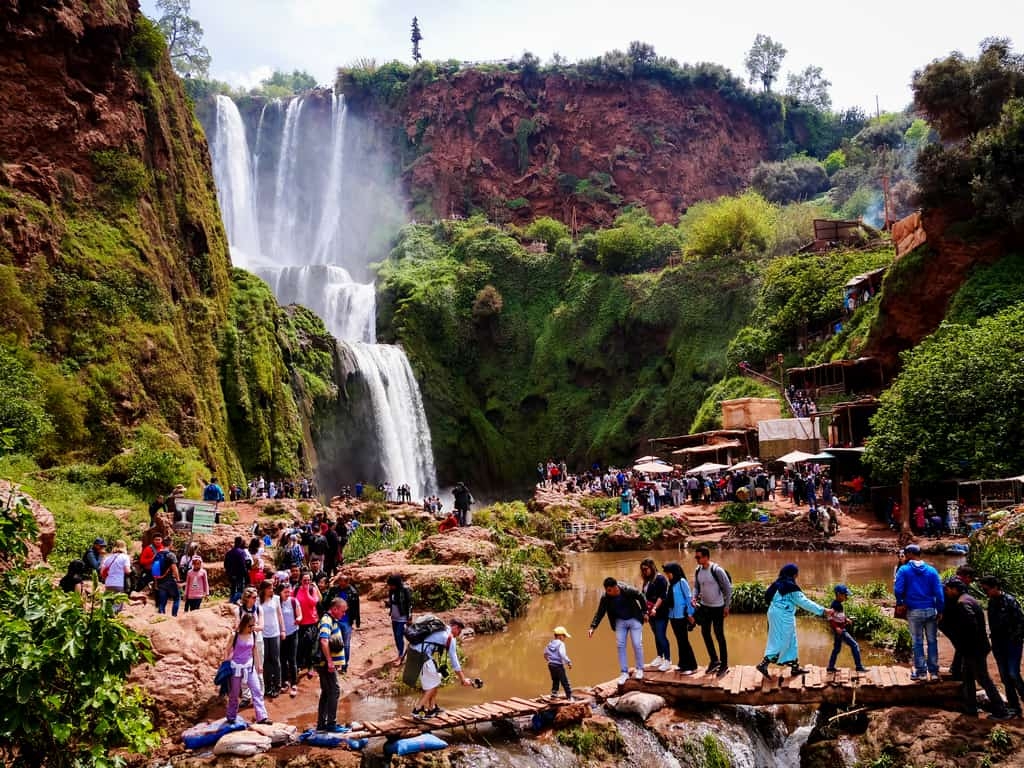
x: 114, y: 272
x: 519, y: 146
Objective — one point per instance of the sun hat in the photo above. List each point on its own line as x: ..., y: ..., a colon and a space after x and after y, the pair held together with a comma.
x: 562, y: 631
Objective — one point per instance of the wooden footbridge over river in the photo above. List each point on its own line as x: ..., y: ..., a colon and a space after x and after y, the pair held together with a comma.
x: 878, y: 687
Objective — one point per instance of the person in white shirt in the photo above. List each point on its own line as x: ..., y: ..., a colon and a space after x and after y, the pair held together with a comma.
x: 273, y: 631
x: 115, y: 569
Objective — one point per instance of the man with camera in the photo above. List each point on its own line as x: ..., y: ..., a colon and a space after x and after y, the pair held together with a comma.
x: 432, y: 673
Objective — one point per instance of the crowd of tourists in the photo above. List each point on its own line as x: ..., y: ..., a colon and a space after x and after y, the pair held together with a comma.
x: 667, y: 600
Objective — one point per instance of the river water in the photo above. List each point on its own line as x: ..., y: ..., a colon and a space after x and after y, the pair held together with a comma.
x: 511, y: 663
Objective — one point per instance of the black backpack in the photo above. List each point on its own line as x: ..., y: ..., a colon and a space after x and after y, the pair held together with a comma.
x: 418, y: 631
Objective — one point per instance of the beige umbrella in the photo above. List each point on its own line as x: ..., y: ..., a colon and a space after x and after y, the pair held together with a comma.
x: 652, y: 467
x: 645, y: 459
x: 796, y: 457
x: 706, y: 468
x: 746, y: 465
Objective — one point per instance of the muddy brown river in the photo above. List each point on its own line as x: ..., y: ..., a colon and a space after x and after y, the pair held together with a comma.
x: 511, y: 663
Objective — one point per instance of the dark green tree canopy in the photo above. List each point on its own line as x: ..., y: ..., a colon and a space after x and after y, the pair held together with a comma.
x: 184, y: 34
x: 764, y: 60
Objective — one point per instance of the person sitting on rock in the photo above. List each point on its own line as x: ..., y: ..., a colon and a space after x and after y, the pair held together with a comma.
x: 449, y: 523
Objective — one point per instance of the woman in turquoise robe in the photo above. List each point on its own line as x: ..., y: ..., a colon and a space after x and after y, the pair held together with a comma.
x: 784, y: 596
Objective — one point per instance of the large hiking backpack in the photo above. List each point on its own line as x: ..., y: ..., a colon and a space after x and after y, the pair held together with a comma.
x: 418, y: 631
x: 160, y: 566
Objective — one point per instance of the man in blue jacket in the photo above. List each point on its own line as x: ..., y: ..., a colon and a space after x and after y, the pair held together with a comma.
x: 919, y: 588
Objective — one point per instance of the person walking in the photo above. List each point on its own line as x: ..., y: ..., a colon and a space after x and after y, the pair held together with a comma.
x: 273, y: 631
x: 655, y: 589
x: 308, y: 596
x: 841, y: 624
x: 966, y: 628
x: 399, y: 604
x: 166, y: 576
x: 245, y: 668
x: 625, y: 608
x: 917, y: 586
x: 236, y: 569
x: 340, y: 587
x: 197, y: 585
x: 712, y: 596
x: 291, y: 612
x: 332, y: 650
x: 431, y: 676
x: 115, y: 569
x: 680, y: 616
x: 1006, y: 625
x: 784, y: 597
x: 558, y: 659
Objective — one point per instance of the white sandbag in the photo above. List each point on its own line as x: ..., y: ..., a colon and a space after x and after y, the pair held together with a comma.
x: 242, y: 744
x: 278, y: 733
x: 637, y: 703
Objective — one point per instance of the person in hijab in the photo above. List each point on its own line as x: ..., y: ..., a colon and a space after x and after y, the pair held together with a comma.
x: 784, y: 596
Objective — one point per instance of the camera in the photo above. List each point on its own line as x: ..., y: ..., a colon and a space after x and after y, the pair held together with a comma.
x: 478, y: 683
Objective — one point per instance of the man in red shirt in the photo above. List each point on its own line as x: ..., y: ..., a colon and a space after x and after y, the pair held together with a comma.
x: 147, y: 557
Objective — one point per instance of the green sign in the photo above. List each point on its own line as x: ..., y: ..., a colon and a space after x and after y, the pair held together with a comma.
x: 203, y: 520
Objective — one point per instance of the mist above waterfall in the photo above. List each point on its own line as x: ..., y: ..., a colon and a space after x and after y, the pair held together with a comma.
x: 309, y: 202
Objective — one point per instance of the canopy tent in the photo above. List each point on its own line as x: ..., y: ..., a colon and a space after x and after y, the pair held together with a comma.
x: 645, y: 459
x: 796, y: 457
x: 746, y: 464
x: 706, y: 468
x: 652, y: 468
x: 708, y: 447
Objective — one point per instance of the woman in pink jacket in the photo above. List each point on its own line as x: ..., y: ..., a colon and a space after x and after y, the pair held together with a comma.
x: 197, y: 585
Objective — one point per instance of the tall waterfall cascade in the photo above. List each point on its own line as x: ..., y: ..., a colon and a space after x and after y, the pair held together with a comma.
x: 287, y: 204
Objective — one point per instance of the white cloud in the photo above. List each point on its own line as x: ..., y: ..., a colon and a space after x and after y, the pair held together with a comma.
x: 249, y: 79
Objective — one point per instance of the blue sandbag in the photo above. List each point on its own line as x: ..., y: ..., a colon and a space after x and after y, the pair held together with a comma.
x: 542, y: 720
x: 207, y: 734
x: 422, y: 743
x: 315, y: 738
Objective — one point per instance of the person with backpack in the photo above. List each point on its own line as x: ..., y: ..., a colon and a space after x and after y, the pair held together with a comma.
x: 331, y: 658
x: 75, y: 576
x: 625, y: 608
x: 399, y: 604
x: 166, y: 578
x: 213, y: 492
x: 712, y: 596
x: 784, y: 597
x: 146, y: 558
x: 93, y: 557
x: 428, y: 637
x: 341, y: 587
x: 1006, y: 627
x: 235, y: 568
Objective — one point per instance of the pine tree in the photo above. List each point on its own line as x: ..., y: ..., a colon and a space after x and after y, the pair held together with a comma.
x: 416, y: 37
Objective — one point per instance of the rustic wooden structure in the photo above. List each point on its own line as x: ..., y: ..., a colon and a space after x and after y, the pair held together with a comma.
x: 406, y: 725
x: 879, y: 686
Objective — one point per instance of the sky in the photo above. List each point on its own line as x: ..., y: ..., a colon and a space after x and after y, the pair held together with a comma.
x: 868, y: 49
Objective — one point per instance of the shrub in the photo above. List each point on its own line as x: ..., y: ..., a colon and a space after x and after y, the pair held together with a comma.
x: 796, y: 178
x: 737, y: 512
x: 602, y: 506
x: 125, y: 178
x: 488, y: 304
x: 365, y: 540
x: 152, y: 464
x: 148, y: 44
x: 505, y: 585
x: 748, y: 597
x: 23, y: 417
x: 547, y: 230
x: 835, y: 161
x: 740, y: 225
x: 592, y: 742
x: 444, y: 595
x: 650, y: 528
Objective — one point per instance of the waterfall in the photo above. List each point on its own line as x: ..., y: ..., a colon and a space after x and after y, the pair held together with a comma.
x: 289, y: 219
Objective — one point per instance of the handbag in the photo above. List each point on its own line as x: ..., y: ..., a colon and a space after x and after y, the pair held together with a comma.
x: 900, y: 612
x: 700, y: 616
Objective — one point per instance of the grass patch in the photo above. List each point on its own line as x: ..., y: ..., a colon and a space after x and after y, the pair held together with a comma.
x: 592, y: 743
x: 365, y: 541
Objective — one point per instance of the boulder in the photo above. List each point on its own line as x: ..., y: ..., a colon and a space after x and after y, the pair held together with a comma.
x: 457, y: 547
x: 371, y: 575
x: 571, y: 714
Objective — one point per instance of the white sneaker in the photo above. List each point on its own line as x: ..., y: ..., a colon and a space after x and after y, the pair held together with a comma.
x: 654, y: 664
x: 638, y: 675
x: 666, y: 666
x: 623, y: 678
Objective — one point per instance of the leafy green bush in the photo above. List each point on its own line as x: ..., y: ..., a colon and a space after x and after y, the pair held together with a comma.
x: 953, y: 410
x: 989, y: 289
x: 592, y: 742
x: 601, y: 506
x: 148, y: 44
x: 869, y: 623
x: 65, y: 662
x: 651, y: 528
x: 1000, y: 557
x: 547, y: 230
x: 737, y: 512
x: 505, y: 585
x: 365, y: 540
x: 22, y: 409
x: 795, y: 178
x: 444, y: 595
x: 153, y: 463
x: 748, y: 597
x: 729, y: 225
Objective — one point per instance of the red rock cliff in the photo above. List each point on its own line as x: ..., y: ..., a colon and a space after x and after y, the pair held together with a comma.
x: 520, y: 147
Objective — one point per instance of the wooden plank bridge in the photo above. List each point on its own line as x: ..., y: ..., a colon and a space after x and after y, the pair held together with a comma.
x: 407, y: 725
x: 879, y: 686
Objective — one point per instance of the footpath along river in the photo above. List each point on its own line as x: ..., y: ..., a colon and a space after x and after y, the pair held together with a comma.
x: 511, y: 664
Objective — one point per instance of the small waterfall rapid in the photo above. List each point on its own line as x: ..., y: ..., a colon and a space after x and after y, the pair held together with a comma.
x: 295, y: 217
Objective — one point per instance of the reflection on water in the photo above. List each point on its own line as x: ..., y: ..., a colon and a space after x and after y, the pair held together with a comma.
x: 511, y: 663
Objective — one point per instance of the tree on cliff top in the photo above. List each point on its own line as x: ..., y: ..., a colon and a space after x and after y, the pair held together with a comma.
x: 764, y: 60
x: 416, y: 37
x: 810, y: 87
x: 184, y: 34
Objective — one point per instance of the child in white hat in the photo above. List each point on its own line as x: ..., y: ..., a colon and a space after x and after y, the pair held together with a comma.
x: 558, y: 660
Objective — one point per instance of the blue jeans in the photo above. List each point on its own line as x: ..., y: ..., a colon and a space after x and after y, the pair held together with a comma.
x: 1008, y: 655
x: 660, y: 629
x: 398, y: 628
x: 922, y: 626
x: 163, y: 595
x: 837, y: 645
x: 634, y: 630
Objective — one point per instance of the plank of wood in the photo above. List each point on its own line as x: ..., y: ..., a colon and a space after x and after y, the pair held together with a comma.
x: 495, y: 710
x: 736, y: 683
x: 536, y: 706
x: 507, y: 708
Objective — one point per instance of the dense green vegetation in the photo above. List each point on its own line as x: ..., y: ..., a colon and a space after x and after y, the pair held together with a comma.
x: 63, y: 668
